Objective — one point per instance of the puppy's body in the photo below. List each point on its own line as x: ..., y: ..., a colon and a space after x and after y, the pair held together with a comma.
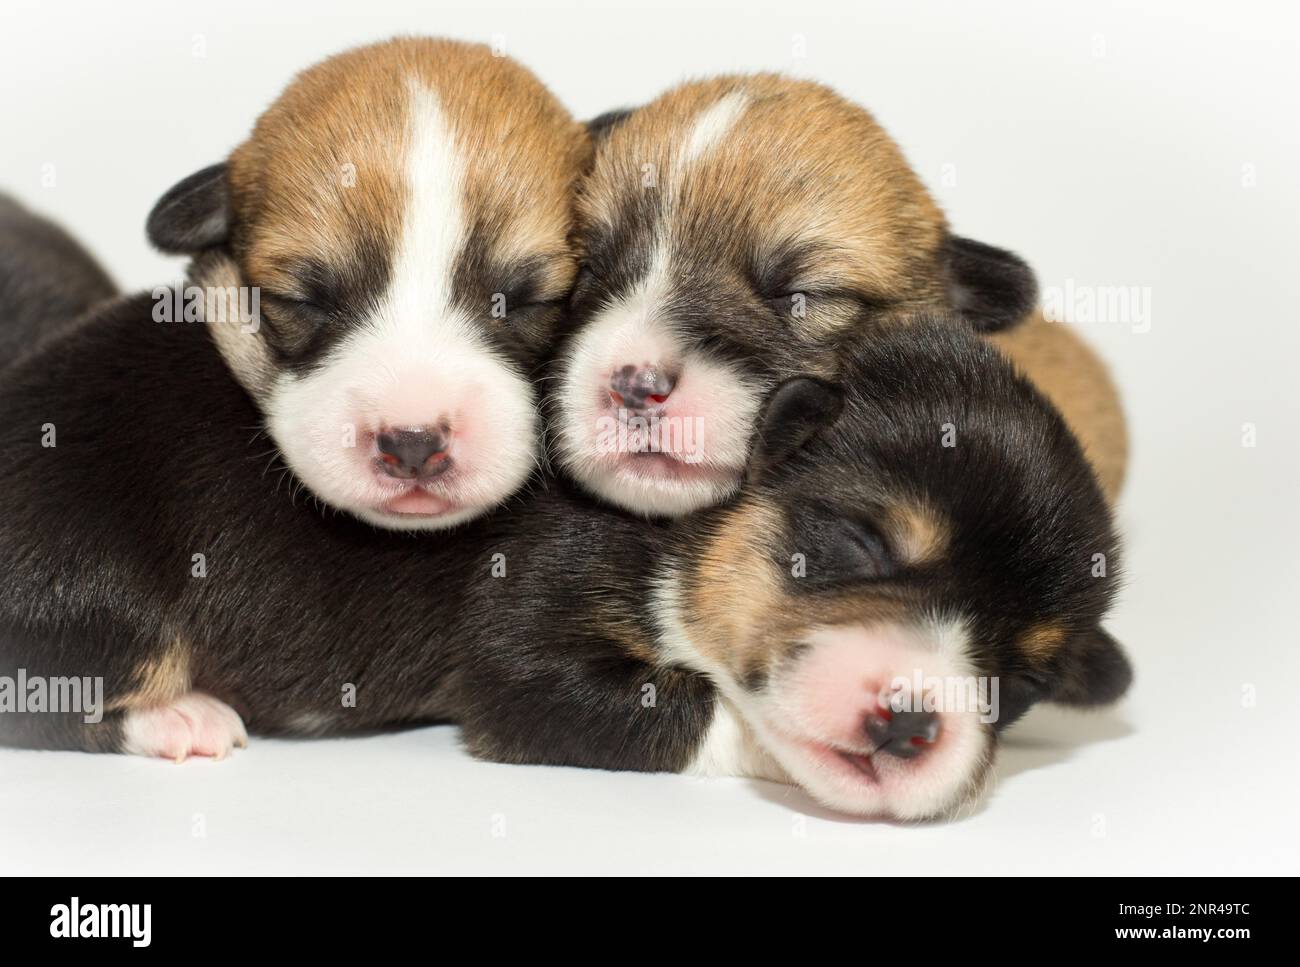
x: 157, y: 545
x: 194, y: 567
x: 46, y: 279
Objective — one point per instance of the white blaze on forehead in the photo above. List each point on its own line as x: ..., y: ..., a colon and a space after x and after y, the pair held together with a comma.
x: 645, y: 301
x: 433, y: 223
x: 712, y: 125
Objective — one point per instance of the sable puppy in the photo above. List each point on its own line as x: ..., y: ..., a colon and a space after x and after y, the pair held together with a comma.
x: 402, y: 211
x: 781, y: 636
x: 736, y: 232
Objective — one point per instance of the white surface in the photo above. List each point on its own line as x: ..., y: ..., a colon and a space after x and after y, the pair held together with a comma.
x: 1107, y: 144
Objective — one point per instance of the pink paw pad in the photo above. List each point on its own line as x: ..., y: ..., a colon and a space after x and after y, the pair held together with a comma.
x: 192, y: 724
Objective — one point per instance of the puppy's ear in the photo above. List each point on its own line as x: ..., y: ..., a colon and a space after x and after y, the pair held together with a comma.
x: 194, y: 215
x: 794, y: 414
x: 600, y: 126
x: 1095, y: 671
x: 991, y: 287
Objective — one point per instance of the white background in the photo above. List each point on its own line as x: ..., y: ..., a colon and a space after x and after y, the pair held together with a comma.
x: 1113, y: 144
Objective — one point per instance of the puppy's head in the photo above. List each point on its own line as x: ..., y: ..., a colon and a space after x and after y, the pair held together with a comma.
x: 403, y: 212
x: 918, y: 558
x: 735, y: 233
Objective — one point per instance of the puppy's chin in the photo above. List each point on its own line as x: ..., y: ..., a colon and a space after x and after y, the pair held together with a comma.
x: 651, y: 484
x: 446, y: 516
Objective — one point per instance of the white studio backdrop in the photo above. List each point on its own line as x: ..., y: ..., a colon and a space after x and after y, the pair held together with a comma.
x: 1142, y: 149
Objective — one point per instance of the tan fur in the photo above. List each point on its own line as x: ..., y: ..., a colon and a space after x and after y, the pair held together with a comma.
x: 871, y: 216
x: 347, y: 118
x: 735, y: 587
x: 735, y: 605
x: 1042, y: 641
x: 918, y: 533
x: 245, y: 351
x: 1070, y: 374
x: 159, y: 679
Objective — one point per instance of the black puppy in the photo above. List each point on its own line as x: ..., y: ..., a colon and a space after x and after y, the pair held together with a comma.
x: 46, y: 278
x: 861, y: 619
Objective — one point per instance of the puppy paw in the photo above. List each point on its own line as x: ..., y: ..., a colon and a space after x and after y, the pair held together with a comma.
x: 191, y: 724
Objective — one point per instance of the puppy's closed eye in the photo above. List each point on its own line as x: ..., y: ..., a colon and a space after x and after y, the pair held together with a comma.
x: 858, y: 552
x: 843, y: 550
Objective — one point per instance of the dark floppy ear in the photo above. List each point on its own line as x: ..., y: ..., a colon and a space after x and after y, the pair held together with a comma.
x: 798, y: 409
x: 194, y: 215
x: 600, y: 126
x: 991, y: 287
x: 1095, y: 673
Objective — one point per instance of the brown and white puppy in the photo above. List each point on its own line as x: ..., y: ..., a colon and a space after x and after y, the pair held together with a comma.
x: 402, y: 213
x: 734, y: 230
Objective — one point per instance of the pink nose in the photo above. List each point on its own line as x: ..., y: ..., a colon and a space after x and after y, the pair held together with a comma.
x: 640, y: 388
x: 414, y: 453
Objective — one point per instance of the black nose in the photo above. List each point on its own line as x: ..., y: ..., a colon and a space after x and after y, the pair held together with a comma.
x: 414, y: 454
x: 638, y: 388
x: 903, y: 734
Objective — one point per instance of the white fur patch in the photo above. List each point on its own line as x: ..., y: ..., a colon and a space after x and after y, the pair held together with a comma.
x: 712, y: 125
x: 194, y: 724
x: 730, y: 748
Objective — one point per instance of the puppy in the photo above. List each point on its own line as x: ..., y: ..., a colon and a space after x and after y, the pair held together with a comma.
x: 904, y: 540
x: 737, y: 231
x: 390, y: 249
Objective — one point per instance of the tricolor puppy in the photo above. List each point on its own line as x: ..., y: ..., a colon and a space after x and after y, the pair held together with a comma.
x: 903, y: 541
x: 401, y: 213
x: 737, y: 231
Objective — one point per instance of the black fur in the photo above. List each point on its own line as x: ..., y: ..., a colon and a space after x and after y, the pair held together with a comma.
x: 602, y: 124
x: 46, y: 279
x: 158, y: 459
x: 990, y: 287
x: 194, y: 214
x: 1024, y: 514
x: 795, y: 412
